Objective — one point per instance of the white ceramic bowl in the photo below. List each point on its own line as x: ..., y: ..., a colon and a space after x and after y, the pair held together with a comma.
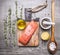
x: 41, y: 21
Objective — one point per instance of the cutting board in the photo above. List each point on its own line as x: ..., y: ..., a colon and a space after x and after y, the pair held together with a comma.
x: 34, y: 41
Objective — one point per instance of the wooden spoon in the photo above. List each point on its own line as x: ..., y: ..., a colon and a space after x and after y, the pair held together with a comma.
x: 52, y: 45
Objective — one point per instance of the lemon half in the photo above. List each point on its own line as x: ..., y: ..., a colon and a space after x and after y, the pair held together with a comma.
x: 45, y: 36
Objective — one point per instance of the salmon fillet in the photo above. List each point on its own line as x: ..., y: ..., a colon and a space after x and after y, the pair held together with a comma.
x: 28, y: 32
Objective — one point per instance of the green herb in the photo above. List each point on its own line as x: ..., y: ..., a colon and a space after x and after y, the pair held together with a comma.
x: 5, y: 27
x: 16, y: 8
x: 9, y: 25
x: 14, y: 43
x: 21, y: 12
x: 9, y: 20
x: 9, y: 12
x: 14, y: 32
x: 6, y: 41
x: 13, y: 27
x: 5, y: 37
x: 5, y: 30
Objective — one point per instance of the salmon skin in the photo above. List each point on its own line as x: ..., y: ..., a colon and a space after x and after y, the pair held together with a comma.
x: 28, y: 32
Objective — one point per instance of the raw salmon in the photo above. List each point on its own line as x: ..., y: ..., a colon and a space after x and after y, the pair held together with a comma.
x: 28, y: 32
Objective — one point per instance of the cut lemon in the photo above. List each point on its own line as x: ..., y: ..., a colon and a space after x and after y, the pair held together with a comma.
x: 45, y: 36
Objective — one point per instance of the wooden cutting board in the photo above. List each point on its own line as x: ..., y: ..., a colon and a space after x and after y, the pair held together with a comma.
x: 34, y: 41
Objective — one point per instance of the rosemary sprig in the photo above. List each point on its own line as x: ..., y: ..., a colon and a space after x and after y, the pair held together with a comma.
x: 5, y: 31
x: 5, y: 28
x: 16, y: 8
x: 9, y: 21
x: 9, y: 26
x: 21, y: 12
x: 14, y: 33
x: 13, y: 27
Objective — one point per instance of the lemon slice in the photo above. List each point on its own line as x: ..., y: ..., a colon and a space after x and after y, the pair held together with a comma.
x: 45, y: 36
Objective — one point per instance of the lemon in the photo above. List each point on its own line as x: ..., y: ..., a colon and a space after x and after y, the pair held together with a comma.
x: 21, y: 24
x: 45, y: 36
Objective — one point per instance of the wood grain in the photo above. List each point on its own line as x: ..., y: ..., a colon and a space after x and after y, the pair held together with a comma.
x: 53, y: 19
x: 34, y: 40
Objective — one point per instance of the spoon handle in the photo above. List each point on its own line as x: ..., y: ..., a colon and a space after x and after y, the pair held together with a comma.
x: 52, y: 38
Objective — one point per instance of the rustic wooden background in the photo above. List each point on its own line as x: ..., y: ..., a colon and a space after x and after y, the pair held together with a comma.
x: 42, y: 48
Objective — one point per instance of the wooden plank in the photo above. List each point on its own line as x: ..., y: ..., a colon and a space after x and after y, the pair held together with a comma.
x: 34, y: 40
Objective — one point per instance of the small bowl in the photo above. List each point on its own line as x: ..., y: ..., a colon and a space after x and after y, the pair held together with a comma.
x: 44, y: 26
x: 21, y: 24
